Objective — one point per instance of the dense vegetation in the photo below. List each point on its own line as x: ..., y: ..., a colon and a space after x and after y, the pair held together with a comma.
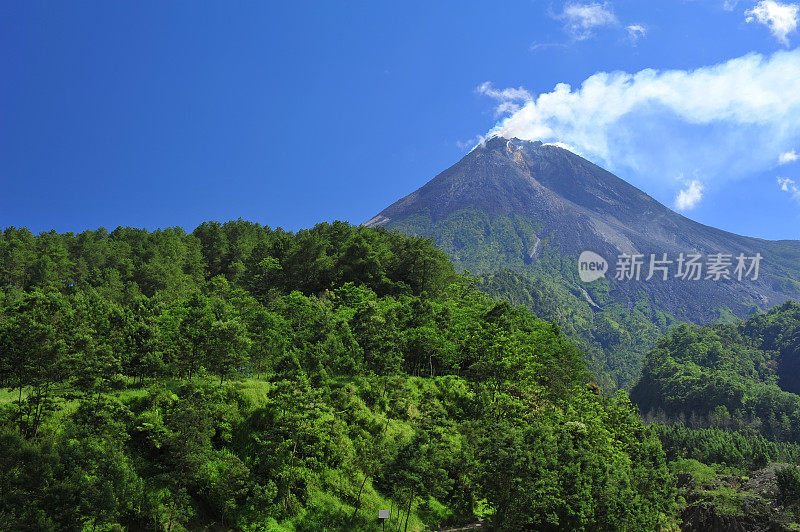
x: 254, y: 379
x: 731, y: 376
x: 721, y: 398
x: 746, y: 450
x: 516, y: 265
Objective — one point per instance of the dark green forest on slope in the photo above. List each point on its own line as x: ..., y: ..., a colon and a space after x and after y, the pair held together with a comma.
x: 723, y: 399
x: 514, y: 264
x: 737, y: 375
x: 245, y: 378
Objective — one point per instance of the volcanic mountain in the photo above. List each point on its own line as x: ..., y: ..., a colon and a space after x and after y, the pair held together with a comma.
x: 531, y: 208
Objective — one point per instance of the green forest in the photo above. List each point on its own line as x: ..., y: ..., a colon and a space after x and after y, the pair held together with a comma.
x: 740, y: 376
x: 512, y: 263
x: 244, y: 378
x: 723, y: 399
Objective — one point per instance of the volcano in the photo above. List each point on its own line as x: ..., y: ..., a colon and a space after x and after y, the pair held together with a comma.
x: 532, y: 208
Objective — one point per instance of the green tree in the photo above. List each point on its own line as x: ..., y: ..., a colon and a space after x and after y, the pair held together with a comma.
x: 36, y: 337
x: 228, y: 347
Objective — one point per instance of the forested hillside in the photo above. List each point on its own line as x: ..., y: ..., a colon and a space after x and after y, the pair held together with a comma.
x: 520, y: 213
x: 514, y: 264
x: 245, y: 378
x: 723, y: 400
x: 742, y: 375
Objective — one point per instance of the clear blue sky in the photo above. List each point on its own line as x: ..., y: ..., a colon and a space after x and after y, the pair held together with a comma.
x: 155, y: 114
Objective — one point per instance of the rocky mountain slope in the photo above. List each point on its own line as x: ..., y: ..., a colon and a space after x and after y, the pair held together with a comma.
x: 533, y: 208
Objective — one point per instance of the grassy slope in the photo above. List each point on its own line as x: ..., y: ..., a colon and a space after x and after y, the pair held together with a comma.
x: 326, y: 499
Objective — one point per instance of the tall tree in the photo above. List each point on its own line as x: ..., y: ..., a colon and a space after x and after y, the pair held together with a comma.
x: 228, y: 347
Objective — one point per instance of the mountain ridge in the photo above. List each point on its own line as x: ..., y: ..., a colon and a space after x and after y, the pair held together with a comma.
x: 516, y: 145
x: 532, y: 208
x: 585, y: 207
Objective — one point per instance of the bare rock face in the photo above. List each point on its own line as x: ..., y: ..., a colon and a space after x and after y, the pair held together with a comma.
x: 580, y: 206
x: 759, y: 510
x: 705, y: 517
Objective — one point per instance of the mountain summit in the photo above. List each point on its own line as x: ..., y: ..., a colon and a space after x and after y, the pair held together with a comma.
x: 511, y: 176
x: 533, y: 208
x: 582, y: 205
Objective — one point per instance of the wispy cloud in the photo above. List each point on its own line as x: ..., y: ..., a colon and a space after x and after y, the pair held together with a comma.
x: 582, y: 20
x: 789, y: 185
x: 723, y: 122
x: 508, y: 100
x: 470, y: 143
x: 636, y: 32
x: 788, y: 157
x: 563, y: 146
x: 781, y: 19
x: 538, y: 46
x: 689, y: 197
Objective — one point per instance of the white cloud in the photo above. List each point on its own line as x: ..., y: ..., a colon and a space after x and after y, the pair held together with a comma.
x: 470, y: 143
x: 781, y: 19
x: 689, y: 197
x: 788, y: 157
x: 636, y: 32
x: 581, y: 20
x: 722, y: 122
x: 539, y: 46
x: 729, y: 5
x: 563, y: 146
x: 789, y: 185
x: 508, y: 100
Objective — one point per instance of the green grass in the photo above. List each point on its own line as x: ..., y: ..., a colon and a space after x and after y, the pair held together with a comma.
x: 250, y: 387
x: 701, y: 473
x: 330, y: 501
x: 9, y: 396
x: 727, y: 499
x: 129, y: 393
x: 254, y: 390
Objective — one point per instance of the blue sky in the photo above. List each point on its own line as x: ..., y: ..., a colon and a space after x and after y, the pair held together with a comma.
x: 155, y: 114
